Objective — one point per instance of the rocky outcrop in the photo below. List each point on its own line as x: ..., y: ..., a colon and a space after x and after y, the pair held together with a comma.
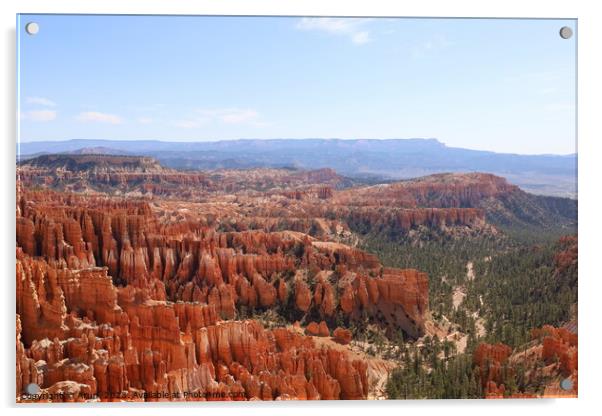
x: 318, y: 329
x: 126, y: 173
x: 401, y: 220
x: 302, y: 296
x: 142, y: 299
x: 566, y: 256
x: 490, y: 360
x: 28, y: 371
x: 559, y: 345
x: 398, y: 299
x: 113, y: 343
x: 226, y: 270
x: 342, y: 335
x: 550, y: 358
x: 145, y: 176
x: 446, y: 190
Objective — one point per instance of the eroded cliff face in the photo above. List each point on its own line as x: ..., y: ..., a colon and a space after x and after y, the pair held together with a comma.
x: 135, y: 282
x: 138, y: 176
x: 320, y: 203
x: 549, y: 359
x: 491, y: 360
x: 559, y: 348
x: 116, y: 302
x: 225, y: 269
x: 79, y: 334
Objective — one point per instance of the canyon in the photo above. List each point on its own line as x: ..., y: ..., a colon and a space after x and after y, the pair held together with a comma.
x: 137, y: 282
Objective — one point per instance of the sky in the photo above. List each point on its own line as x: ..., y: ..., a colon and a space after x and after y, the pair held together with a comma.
x: 488, y: 84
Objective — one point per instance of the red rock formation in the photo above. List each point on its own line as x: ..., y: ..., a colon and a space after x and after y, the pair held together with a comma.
x: 302, y: 296
x: 323, y: 329
x: 136, y: 298
x: 312, y: 329
x: 27, y: 370
x: 492, y: 353
x: 404, y: 219
x: 325, y: 192
x: 126, y: 298
x: 559, y: 344
x: 556, y: 348
x: 319, y: 330
x: 403, y: 297
x: 282, y: 291
x: 490, y: 358
x: 342, y: 335
x: 223, y: 269
x: 447, y: 190
x: 567, y: 254
x: 111, y: 343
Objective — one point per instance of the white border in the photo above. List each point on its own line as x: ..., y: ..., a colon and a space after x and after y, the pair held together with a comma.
x: 590, y: 175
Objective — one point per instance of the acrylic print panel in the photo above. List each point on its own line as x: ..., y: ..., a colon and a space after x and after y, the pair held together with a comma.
x: 241, y: 208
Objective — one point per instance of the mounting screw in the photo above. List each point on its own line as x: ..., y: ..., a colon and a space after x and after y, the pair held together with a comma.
x: 566, y: 32
x: 32, y: 28
x: 32, y: 388
x: 566, y: 384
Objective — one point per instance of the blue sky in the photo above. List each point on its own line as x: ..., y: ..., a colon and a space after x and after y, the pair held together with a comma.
x: 501, y: 85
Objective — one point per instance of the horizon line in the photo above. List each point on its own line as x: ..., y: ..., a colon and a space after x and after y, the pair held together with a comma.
x: 20, y: 142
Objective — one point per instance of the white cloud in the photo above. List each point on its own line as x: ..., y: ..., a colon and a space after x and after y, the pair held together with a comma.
x: 144, y: 120
x: 353, y: 28
x: 203, y: 116
x: 38, y: 115
x: 95, y: 116
x: 40, y: 101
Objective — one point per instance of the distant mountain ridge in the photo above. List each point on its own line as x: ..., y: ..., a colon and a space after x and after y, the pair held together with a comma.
x: 98, y: 150
x: 77, y: 162
x: 388, y: 159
